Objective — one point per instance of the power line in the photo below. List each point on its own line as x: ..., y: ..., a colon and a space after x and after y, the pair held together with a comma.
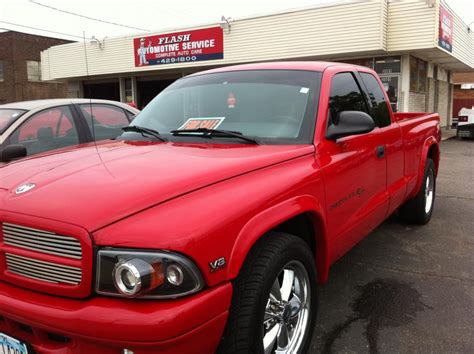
x: 38, y: 29
x: 87, y: 17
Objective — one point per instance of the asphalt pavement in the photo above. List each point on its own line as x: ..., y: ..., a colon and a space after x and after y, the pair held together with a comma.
x: 407, y: 289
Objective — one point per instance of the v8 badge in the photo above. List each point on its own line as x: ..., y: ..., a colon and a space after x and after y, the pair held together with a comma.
x: 216, y: 265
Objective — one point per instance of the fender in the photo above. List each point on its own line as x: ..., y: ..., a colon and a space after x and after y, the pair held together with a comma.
x: 430, y: 141
x: 272, y: 217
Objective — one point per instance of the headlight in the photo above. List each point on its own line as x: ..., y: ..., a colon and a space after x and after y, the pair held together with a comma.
x: 147, y: 274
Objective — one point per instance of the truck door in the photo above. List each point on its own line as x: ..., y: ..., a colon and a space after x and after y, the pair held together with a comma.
x: 392, y: 139
x: 354, y: 171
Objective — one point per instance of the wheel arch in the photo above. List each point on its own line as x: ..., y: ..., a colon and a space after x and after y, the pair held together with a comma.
x: 430, y: 150
x: 433, y: 153
x: 302, y: 216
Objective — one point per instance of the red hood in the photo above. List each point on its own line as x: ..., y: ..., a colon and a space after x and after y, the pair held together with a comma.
x: 81, y: 187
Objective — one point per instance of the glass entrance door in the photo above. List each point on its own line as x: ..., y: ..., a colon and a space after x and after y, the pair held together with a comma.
x: 391, y: 85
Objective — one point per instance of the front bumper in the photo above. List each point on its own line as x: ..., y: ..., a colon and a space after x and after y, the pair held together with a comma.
x: 465, y: 131
x: 109, y: 325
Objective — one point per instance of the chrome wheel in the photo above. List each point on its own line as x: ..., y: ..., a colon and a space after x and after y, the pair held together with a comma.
x: 429, y: 191
x: 287, y: 311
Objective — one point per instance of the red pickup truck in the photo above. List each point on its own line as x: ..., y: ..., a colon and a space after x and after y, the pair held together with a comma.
x: 209, y: 223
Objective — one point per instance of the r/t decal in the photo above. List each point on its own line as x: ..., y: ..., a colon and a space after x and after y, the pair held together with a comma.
x: 357, y: 193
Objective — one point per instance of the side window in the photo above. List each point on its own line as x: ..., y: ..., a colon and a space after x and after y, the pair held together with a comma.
x: 105, y: 114
x: 130, y: 115
x: 33, y: 70
x: 108, y: 120
x: 379, y: 110
x: 345, y: 96
x: 47, y: 130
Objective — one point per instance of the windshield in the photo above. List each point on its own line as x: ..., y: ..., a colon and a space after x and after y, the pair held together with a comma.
x: 8, y: 116
x: 275, y: 106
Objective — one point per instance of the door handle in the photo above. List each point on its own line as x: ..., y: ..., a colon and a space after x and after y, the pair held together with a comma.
x: 380, y: 151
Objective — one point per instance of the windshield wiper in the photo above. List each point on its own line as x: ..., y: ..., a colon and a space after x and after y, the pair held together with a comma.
x: 216, y: 133
x: 143, y: 131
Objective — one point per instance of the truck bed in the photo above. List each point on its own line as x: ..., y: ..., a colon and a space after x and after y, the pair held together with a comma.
x: 403, y: 116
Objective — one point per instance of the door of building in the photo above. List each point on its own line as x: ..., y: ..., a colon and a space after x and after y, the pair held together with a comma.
x: 148, y: 90
x: 391, y: 85
x: 103, y: 90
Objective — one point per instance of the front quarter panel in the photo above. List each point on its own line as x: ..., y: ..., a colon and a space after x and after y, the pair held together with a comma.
x: 272, y: 217
x: 216, y: 221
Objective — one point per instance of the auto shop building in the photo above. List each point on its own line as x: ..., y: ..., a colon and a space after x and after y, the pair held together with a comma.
x: 414, y: 46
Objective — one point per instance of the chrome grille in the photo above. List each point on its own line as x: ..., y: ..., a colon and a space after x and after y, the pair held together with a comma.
x: 41, y: 241
x: 44, y: 271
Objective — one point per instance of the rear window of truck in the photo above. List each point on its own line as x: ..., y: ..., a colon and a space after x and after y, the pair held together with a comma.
x: 379, y: 108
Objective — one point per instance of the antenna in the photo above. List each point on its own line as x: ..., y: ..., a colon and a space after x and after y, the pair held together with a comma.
x: 90, y: 96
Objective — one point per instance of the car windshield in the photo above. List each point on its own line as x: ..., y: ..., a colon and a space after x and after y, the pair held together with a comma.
x: 8, y: 116
x: 275, y: 106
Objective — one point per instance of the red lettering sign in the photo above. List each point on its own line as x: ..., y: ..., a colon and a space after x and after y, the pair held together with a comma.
x: 446, y: 25
x: 179, y: 47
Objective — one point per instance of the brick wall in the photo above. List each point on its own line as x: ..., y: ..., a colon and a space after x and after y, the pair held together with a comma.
x: 467, y: 78
x: 7, y: 93
x: 430, y: 104
x: 443, y: 99
x: 15, y: 49
x: 463, y: 94
x: 462, y: 99
x: 416, y: 102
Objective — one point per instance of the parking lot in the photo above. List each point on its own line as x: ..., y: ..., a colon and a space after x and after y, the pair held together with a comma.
x: 409, y: 288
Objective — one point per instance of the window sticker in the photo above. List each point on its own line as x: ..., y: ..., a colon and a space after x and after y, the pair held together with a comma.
x: 231, y: 100
x: 196, y: 123
x: 304, y: 90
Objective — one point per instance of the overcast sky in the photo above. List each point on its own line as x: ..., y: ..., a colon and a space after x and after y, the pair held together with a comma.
x: 151, y: 15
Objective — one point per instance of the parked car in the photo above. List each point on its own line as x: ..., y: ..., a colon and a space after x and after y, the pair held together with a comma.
x: 44, y: 125
x: 215, y: 233
x: 465, y: 126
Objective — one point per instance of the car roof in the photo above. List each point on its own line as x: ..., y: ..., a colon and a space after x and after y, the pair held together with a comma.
x: 284, y: 65
x: 30, y: 105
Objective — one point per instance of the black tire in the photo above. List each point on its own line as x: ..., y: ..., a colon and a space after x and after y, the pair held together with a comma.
x: 245, y: 329
x: 413, y: 211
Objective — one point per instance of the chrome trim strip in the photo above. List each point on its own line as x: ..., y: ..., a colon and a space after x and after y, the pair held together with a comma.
x: 44, y: 271
x: 19, y: 234
x: 41, y: 241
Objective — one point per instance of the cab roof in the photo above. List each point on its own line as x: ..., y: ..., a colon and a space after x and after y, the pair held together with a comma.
x: 288, y: 65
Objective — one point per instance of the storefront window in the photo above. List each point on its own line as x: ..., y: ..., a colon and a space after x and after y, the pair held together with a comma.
x: 33, y: 69
x: 388, y: 65
x: 389, y: 69
x: 128, y: 90
x: 382, y: 65
x: 390, y: 84
x: 367, y: 62
x: 418, y: 74
x: 422, y: 73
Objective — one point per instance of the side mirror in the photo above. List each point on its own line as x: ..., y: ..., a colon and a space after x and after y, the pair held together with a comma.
x: 350, y: 123
x: 11, y: 152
